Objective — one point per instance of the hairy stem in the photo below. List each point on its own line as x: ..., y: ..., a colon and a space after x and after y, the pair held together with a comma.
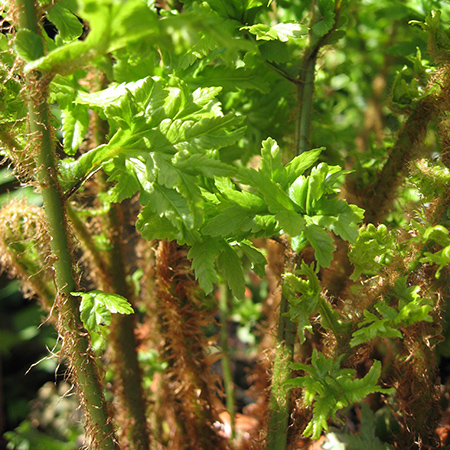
x: 189, y: 381
x: 76, y: 343
x: 124, y: 345
x: 377, y: 198
x: 279, y: 406
x: 85, y: 237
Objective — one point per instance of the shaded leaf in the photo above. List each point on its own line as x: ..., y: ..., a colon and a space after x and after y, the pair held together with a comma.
x: 203, y: 255
x: 322, y: 243
x: 230, y: 266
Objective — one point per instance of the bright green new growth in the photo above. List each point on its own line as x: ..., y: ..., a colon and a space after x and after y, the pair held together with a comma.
x: 96, y: 308
x: 440, y: 235
x: 373, y: 249
x: 412, y: 308
x: 331, y: 388
x: 303, y: 296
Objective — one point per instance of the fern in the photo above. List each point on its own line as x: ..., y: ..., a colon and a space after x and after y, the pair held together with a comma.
x: 329, y: 388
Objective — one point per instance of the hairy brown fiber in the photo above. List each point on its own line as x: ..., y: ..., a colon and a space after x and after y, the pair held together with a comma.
x: 190, y: 388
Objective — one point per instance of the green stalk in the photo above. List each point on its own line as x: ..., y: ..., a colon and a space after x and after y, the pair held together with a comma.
x: 76, y: 345
x: 305, y: 98
x: 88, y: 244
x: 227, y: 375
x: 279, y: 398
x: 279, y: 406
x: 305, y: 82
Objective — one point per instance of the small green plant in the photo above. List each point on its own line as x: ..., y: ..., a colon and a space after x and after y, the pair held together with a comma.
x: 180, y: 153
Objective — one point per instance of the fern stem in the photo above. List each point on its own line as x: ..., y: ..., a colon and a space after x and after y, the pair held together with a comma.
x: 379, y: 196
x: 279, y: 406
x: 124, y: 345
x: 88, y: 244
x: 227, y: 375
x: 305, y: 82
x: 132, y: 401
x: 76, y: 344
x: 305, y: 98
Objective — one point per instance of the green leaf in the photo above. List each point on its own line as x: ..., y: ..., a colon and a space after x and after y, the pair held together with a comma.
x: 373, y: 249
x: 412, y: 307
x: 245, y: 199
x: 373, y: 327
x: 75, y: 125
x: 66, y: 58
x: 228, y: 223
x: 331, y: 388
x: 231, y: 9
x: 326, y: 8
x: 29, y: 45
x: 68, y: 25
x: 115, y: 92
x: 203, y: 255
x: 303, y: 296
x: 441, y: 258
x: 27, y: 436
x: 130, y: 174
x: 172, y: 205
x: 271, y: 159
x: 329, y: 318
x: 132, y: 20
x: 96, y: 308
x: 438, y: 233
x: 298, y: 192
x: 232, y: 79
x: 298, y: 165
x: 365, y: 439
x: 255, y: 256
x: 277, y: 200
x: 291, y: 222
x: 339, y: 217
x: 283, y: 32
x: 322, y: 243
x: 317, y: 185
x: 153, y: 227
x: 276, y: 51
x: 203, y: 165
x: 230, y: 266
x: 112, y: 26
x: 335, y: 36
x: 176, y: 131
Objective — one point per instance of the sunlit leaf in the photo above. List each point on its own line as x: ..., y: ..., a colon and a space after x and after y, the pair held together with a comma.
x: 97, y: 306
